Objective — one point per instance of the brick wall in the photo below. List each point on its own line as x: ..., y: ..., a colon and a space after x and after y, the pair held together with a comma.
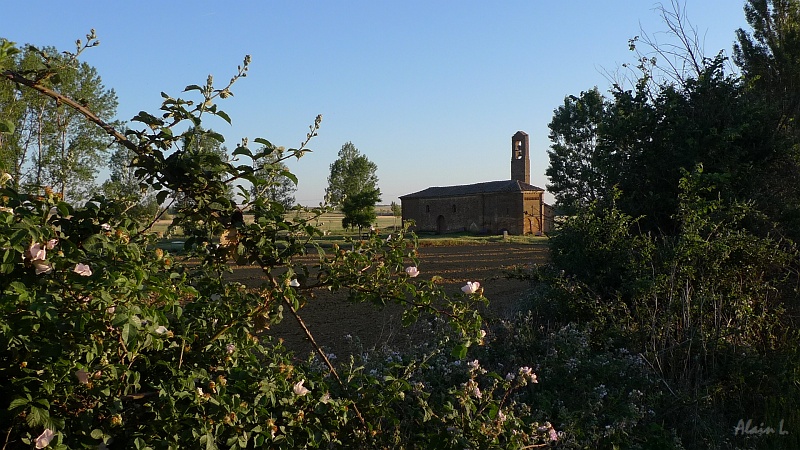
x: 490, y: 213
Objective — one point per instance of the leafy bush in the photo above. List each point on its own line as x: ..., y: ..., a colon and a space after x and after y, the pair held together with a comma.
x: 107, y: 340
x: 711, y: 309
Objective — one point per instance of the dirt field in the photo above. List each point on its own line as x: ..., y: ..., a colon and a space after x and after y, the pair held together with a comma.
x: 330, y: 317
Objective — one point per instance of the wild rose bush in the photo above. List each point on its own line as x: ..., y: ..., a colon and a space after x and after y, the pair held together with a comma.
x: 107, y: 341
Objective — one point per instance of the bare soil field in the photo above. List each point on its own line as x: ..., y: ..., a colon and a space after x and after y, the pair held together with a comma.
x: 330, y: 317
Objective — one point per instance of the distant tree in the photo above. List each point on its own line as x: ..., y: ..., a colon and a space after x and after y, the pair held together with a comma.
x: 351, y: 173
x: 203, y: 150
x: 397, y: 211
x: 274, y: 184
x: 52, y: 145
x: 123, y: 183
x: 359, y: 209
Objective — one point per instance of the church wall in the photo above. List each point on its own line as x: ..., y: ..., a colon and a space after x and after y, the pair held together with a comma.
x: 534, y: 222
x: 502, y: 211
x: 482, y: 213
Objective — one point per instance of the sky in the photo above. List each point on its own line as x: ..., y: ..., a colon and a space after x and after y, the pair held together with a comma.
x: 430, y: 91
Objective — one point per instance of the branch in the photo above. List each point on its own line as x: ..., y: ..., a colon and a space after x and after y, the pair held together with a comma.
x: 86, y: 112
x: 322, y: 354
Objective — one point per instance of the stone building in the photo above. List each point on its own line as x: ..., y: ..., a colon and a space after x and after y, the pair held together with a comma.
x: 492, y: 207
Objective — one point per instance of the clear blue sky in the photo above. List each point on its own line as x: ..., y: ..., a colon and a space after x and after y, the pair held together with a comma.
x: 431, y: 91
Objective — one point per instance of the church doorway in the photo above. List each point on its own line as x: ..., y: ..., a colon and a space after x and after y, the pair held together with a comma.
x: 441, y: 226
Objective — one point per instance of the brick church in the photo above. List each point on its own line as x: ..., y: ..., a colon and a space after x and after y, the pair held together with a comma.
x: 492, y: 207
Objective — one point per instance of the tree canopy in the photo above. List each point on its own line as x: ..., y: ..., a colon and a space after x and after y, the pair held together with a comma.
x: 350, y: 174
x: 275, y: 183
x: 52, y: 144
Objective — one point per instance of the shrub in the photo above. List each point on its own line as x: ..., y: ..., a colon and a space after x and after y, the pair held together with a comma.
x: 108, y: 340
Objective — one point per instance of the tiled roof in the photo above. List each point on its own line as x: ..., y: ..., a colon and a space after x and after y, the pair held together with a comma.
x: 489, y: 187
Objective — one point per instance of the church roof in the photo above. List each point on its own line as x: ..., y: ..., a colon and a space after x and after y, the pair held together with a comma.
x: 489, y: 187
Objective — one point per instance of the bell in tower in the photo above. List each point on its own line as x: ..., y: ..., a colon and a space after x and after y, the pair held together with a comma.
x: 520, y: 161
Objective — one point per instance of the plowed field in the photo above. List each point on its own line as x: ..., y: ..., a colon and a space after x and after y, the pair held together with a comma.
x: 330, y: 317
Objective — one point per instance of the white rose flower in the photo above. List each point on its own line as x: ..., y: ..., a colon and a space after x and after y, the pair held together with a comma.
x: 44, y: 439
x: 412, y: 271
x: 299, y: 389
x: 82, y: 269
x: 471, y: 287
x: 42, y: 267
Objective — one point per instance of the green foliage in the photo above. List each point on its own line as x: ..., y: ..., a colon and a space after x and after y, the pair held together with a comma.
x: 351, y: 173
x: 577, y: 165
x: 108, y: 341
x: 359, y: 209
x: 273, y: 179
x: 123, y: 184
x: 600, y: 246
x: 711, y: 309
x: 52, y: 144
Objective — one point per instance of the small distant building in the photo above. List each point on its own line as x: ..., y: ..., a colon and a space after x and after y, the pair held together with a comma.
x: 492, y: 207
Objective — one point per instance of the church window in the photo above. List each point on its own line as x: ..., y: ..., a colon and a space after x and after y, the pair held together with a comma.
x: 427, y: 208
x: 454, y: 208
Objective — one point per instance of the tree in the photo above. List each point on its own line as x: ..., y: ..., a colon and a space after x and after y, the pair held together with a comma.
x: 359, y: 209
x: 769, y: 58
x: 351, y: 174
x: 53, y: 145
x: 576, y: 170
x: 124, y: 184
x: 274, y: 181
x: 397, y: 211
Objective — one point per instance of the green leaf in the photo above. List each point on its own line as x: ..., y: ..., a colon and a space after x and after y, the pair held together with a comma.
x: 17, y: 402
x: 242, y: 151
x: 161, y: 197
x: 6, y: 126
x: 37, y: 417
x: 192, y: 87
x: 224, y: 116
x: 216, y: 136
x: 460, y: 351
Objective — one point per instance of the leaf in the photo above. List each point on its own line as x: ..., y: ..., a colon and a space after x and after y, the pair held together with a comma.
x: 460, y: 351
x: 242, y: 151
x: 161, y: 197
x: 192, y: 87
x: 216, y: 136
x: 224, y: 116
x: 6, y: 126
x: 37, y: 417
x: 17, y: 402
x: 290, y: 176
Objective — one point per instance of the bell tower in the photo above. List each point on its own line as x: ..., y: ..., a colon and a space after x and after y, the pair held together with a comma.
x: 520, y: 161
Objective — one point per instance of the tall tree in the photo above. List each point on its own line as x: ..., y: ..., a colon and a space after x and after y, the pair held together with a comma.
x: 769, y: 58
x: 576, y: 170
x: 274, y: 184
x: 397, y: 212
x: 351, y: 173
x: 52, y: 145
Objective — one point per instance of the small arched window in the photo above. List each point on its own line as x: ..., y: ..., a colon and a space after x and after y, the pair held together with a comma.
x: 454, y: 208
x: 427, y: 208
